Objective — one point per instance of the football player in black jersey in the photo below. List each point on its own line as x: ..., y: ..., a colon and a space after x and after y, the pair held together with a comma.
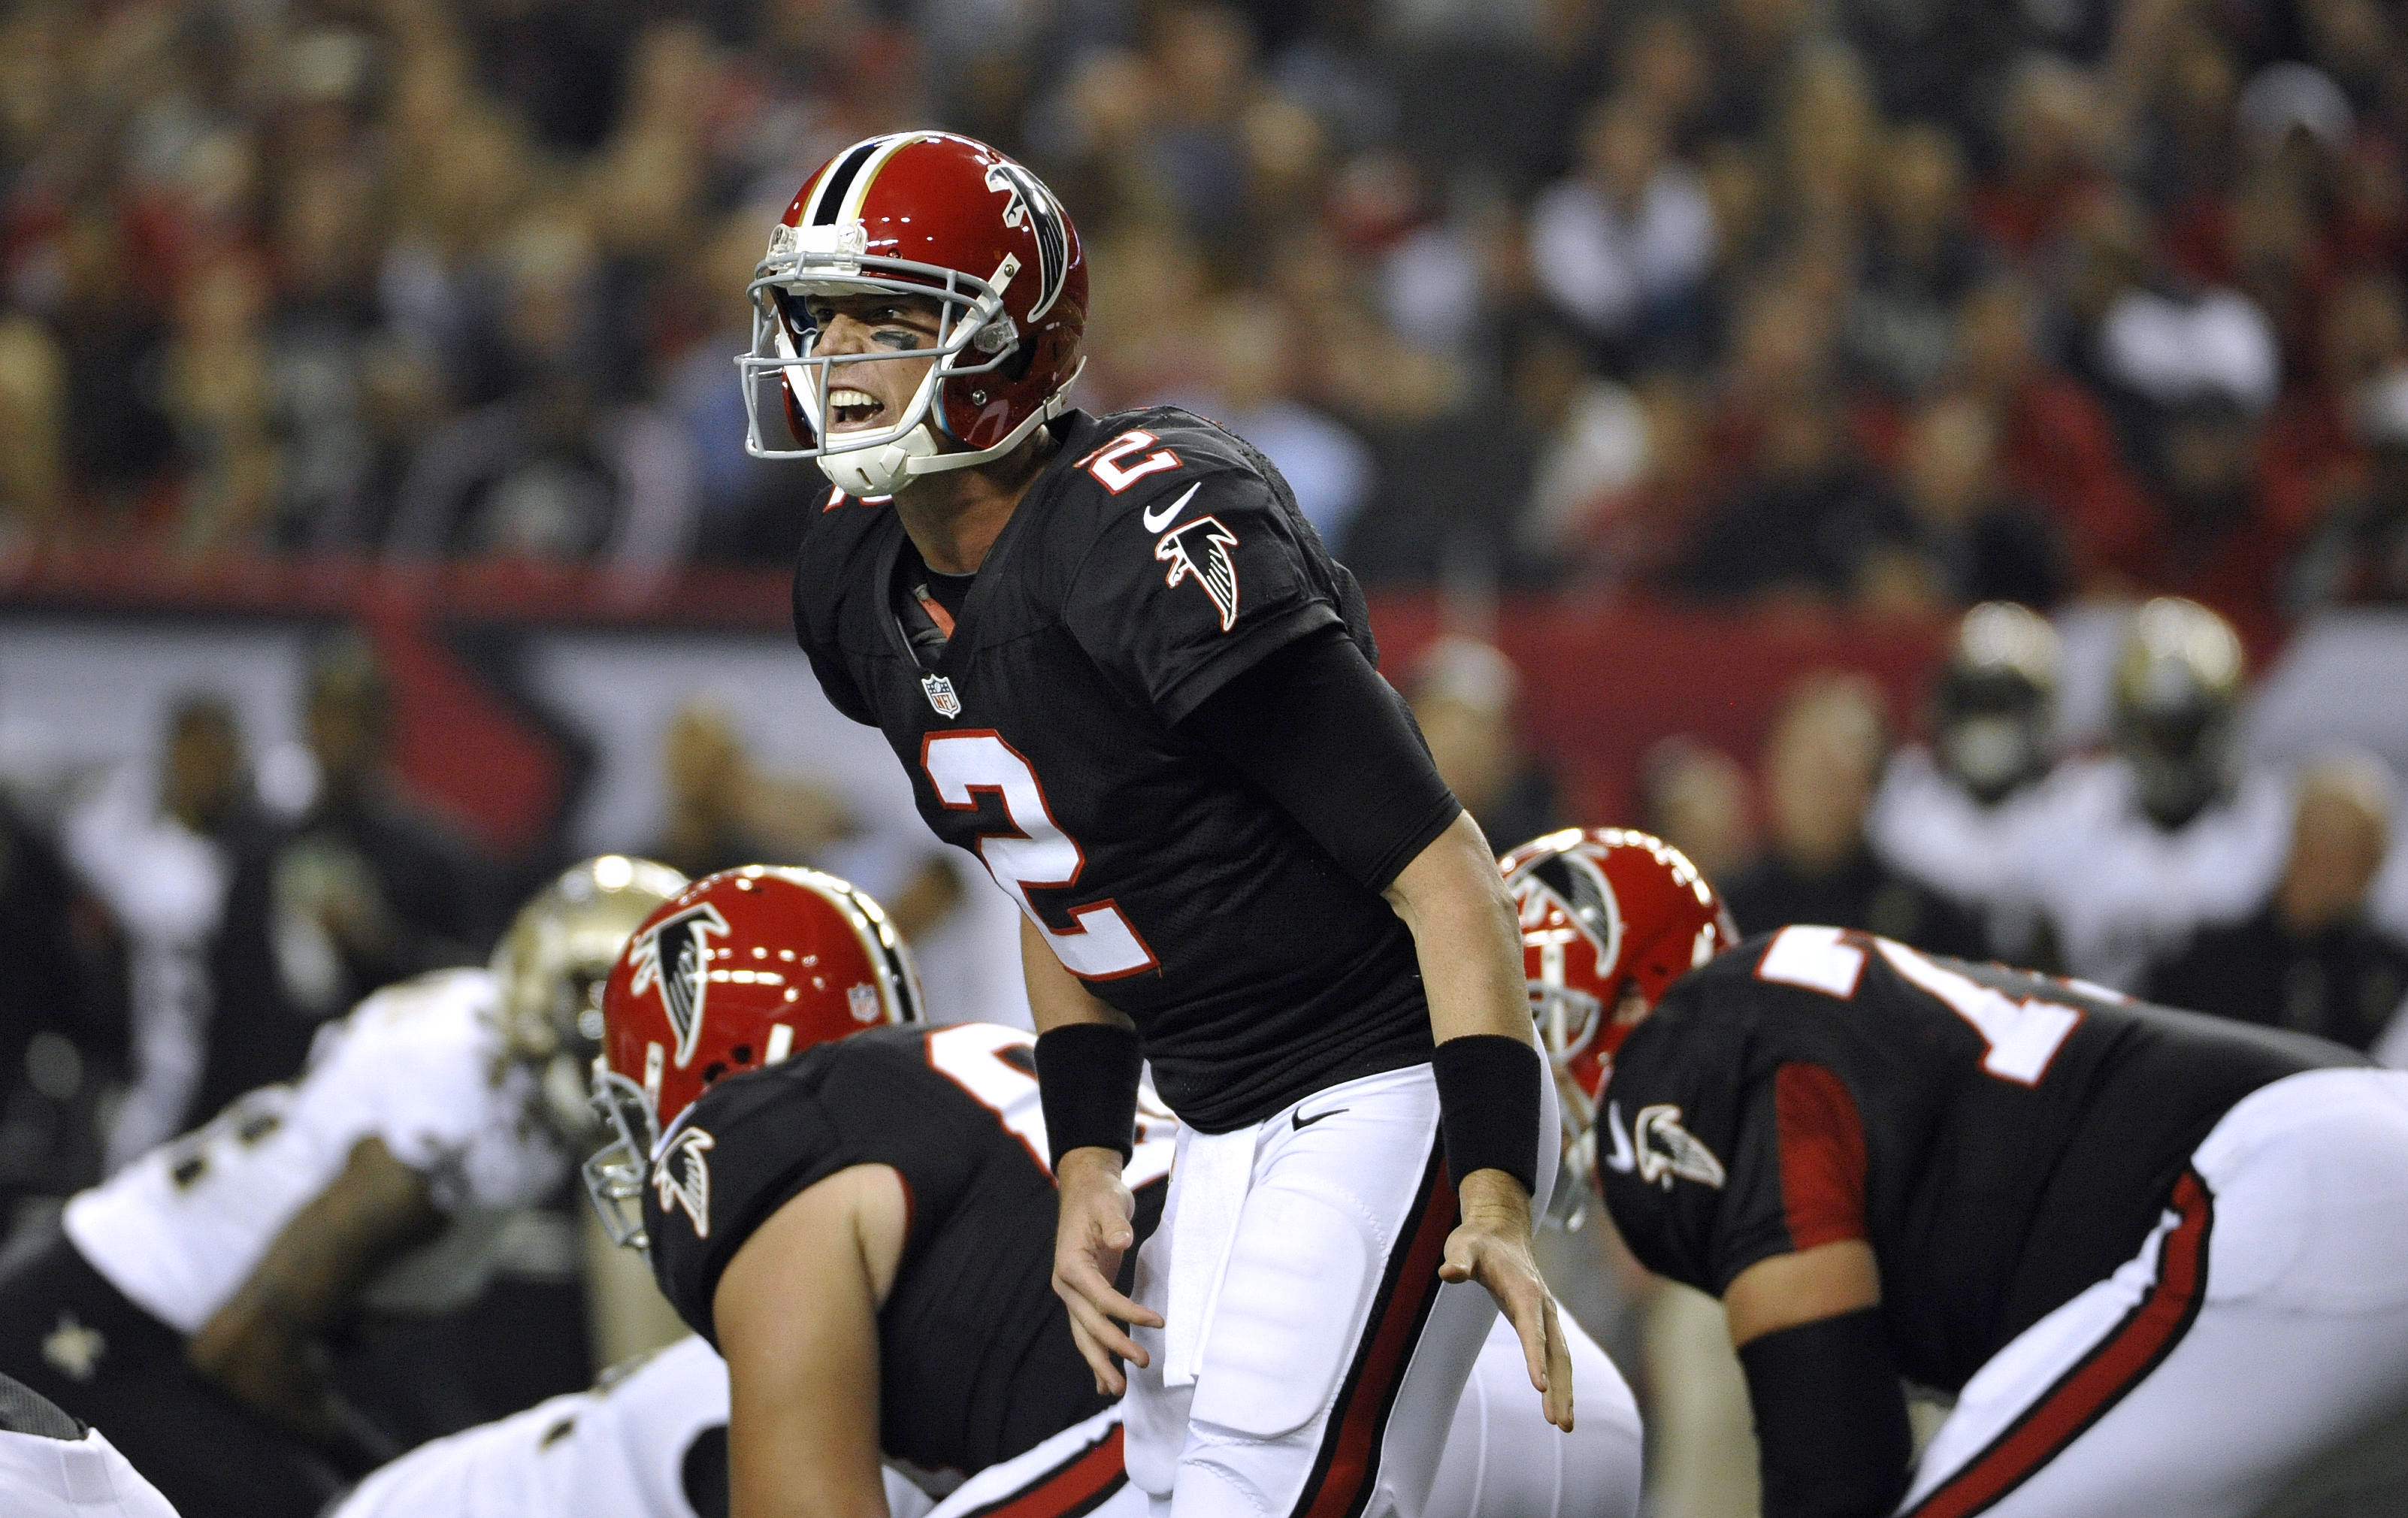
x: 1119, y: 666
x: 2159, y: 1261
x: 837, y: 1197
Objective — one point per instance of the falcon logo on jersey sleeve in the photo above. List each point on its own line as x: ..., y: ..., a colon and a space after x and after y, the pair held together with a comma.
x: 681, y: 1177
x: 676, y: 957
x: 1669, y: 1151
x: 1031, y: 205
x: 1199, y: 550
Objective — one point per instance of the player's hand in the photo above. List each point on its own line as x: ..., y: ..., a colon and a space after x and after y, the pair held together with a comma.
x: 1091, y: 1234
x: 1492, y: 1246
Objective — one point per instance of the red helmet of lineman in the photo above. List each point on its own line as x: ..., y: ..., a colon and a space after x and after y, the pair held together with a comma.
x: 733, y: 973
x: 933, y: 216
x: 1605, y: 911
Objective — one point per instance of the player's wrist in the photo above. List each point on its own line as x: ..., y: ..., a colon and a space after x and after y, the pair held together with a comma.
x: 1493, y: 1193
x: 1096, y: 1160
x: 1086, y: 1083
x: 1488, y: 1107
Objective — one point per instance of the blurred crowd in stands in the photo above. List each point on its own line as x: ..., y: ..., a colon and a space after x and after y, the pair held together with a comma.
x: 1896, y: 304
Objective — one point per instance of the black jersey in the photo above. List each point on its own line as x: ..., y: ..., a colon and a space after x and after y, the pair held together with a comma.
x: 2001, y: 1140
x: 1154, y: 559
x: 976, y: 1361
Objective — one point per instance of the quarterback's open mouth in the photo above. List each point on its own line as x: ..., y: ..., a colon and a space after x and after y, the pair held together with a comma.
x: 851, y: 409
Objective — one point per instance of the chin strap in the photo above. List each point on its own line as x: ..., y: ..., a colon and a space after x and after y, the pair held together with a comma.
x: 883, y: 470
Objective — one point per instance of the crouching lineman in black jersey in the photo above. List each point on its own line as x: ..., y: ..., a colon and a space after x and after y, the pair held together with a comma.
x: 2159, y: 1261
x: 183, y: 1303
x: 858, y: 1212
x: 1120, y: 666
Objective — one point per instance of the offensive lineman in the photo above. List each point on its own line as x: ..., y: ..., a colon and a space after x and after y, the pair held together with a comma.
x: 2159, y: 1260
x: 763, y: 1212
x: 1120, y: 666
x: 182, y: 1305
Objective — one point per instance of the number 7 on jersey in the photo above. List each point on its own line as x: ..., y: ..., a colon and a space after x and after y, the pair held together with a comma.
x: 1101, y: 945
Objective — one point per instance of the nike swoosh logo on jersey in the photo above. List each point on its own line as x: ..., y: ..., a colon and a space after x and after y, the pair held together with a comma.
x: 1621, y: 1158
x: 1155, y: 520
x: 1303, y: 1121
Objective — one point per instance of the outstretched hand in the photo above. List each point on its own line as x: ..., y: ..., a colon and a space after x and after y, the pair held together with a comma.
x: 1492, y: 1246
x: 1091, y: 1233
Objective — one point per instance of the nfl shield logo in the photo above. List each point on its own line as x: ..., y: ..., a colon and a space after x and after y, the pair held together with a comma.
x: 940, y: 696
x: 862, y: 1001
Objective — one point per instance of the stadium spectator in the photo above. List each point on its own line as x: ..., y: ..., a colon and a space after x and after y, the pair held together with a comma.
x: 712, y: 798
x: 371, y: 887
x: 61, y: 1018
x: 1921, y: 260
x: 2308, y: 958
x: 1620, y: 246
x: 1462, y: 692
x: 1251, y: 354
x: 556, y: 470
x: 1821, y: 763
x: 1694, y: 797
x: 1972, y: 541
x: 149, y: 844
x: 2361, y: 554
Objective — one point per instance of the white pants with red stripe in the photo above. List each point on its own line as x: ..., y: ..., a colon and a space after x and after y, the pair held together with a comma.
x: 1311, y: 1359
x: 2252, y: 1358
x: 1502, y: 1459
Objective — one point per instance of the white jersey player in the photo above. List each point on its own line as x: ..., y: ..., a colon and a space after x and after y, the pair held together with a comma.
x: 2126, y: 854
x: 52, y: 1465
x: 181, y: 1303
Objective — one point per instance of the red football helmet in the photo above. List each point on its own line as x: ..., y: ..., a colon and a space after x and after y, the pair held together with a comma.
x: 1604, y: 908
x: 933, y: 215
x: 735, y: 972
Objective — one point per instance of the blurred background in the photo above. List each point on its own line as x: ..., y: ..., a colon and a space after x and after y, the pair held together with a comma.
x: 376, y: 533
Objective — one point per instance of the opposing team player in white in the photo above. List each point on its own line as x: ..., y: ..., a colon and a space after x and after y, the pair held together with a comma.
x: 52, y: 1465
x: 182, y: 1306
x: 774, y: 1213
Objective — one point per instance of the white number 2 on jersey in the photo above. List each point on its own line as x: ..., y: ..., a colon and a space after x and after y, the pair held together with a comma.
x: 1102, y: 945
x: 2023, y: 1036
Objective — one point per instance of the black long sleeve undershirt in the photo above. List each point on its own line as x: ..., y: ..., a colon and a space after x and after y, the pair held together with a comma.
x: 1333, y: 744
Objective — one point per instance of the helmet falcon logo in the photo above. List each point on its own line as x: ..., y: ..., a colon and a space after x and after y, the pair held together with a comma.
x: 1571, y: 883
x: 1668, y: 1150
x: 1201, y: 548
x: 681, y: 1178
x: 1033, y: 206
x: 675, y: 954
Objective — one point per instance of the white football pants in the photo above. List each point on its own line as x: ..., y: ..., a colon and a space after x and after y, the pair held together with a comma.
x: 2252, y: 1358
x: 1311, y: 1359
x: 1503, y: 1459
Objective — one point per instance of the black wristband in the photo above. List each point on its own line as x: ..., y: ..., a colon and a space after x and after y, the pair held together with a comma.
x: 1086, y: 1081
x: 1488, y: 1106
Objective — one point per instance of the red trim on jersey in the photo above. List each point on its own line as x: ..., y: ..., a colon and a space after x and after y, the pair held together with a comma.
x: 2084, y: 1393
x: 1348, y: 1465
x: 935, y: 610
x: 1077, y: 1486
x: 1822, y: 1156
